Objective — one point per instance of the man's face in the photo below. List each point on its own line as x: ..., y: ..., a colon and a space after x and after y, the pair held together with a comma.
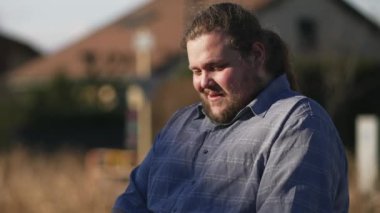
x: 225, y: 80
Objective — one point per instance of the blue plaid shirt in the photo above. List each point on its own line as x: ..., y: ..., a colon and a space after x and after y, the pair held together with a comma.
x: 281, y: 153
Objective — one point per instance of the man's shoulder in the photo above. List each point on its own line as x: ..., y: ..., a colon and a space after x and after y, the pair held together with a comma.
x: 300, y: 104
x: 309, y: 107
x: 298, y: 108
x: 287, y: 102
x: 307, y: 116
x: 306, y: 112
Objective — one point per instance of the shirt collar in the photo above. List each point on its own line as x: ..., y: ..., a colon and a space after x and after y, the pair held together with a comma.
x: 276, y: 89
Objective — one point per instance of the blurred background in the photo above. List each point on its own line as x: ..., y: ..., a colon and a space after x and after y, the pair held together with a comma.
x: 85, y: 86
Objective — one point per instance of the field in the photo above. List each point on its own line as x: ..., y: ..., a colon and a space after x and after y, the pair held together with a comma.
x: 59, y: 183
x: 67, y: 182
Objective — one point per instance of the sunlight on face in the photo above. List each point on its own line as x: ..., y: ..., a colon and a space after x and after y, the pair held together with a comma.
x: 225, y: 81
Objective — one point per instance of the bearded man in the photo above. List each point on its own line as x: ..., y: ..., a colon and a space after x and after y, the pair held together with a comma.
x: 253, y: 144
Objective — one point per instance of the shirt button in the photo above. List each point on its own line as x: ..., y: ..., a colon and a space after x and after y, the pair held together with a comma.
x: 205, y: 151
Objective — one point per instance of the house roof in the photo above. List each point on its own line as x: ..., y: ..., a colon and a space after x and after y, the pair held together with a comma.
x: 110, y: 53
x: 368, y: 21
x: 8, y: 40
x: 14, y: 53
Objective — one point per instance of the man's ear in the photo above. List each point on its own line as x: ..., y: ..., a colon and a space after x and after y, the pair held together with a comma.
x: 259, y: 58
x: 258, y: 53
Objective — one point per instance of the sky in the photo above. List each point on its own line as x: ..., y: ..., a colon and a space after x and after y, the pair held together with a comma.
x: 50, y: 25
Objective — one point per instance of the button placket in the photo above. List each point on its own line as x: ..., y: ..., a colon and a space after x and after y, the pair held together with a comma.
x: 207, y: 144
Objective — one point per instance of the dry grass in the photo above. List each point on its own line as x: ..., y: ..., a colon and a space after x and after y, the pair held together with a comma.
x: 360, y: 203
x: 32, y: 183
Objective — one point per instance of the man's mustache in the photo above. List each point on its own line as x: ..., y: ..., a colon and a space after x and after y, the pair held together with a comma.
x: 213, y: 89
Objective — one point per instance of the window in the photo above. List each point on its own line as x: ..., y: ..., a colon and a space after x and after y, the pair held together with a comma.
x: 307, y: 34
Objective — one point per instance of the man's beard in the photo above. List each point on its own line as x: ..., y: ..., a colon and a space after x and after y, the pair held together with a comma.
x: 231, y: 107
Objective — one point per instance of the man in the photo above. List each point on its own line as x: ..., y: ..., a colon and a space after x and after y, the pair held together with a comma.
x: 253, y: 144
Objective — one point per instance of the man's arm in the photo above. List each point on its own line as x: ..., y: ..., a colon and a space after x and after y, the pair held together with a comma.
x: 134, y: 199
x: 306, y: 170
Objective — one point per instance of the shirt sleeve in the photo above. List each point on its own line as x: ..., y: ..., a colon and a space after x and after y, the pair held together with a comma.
x: 134, y: 199
x: 306, y: 169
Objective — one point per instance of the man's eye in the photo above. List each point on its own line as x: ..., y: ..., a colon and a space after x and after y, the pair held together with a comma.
x: 218, y: 67
x: 196, y: 72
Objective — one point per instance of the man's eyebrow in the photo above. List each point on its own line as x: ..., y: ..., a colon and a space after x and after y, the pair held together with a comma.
x: 210, y: 63
x: 216, y: 63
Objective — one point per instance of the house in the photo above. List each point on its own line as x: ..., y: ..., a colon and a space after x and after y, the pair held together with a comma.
x: 323, y: 28
x: 113, y: 48
x: 312, y: 29
x: 14, y: 53
x: 142, y: 49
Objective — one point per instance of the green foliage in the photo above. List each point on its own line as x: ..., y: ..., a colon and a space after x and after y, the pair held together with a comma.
x: 63, y: 111
x: 11, y: 115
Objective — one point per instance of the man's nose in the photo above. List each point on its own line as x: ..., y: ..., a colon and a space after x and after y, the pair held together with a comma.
x: 206, y: 80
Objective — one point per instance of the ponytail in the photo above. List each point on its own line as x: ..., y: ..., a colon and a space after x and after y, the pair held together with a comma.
x: 277, y: 61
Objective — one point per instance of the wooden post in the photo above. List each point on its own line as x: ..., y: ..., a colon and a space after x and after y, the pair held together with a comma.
x: 138, y: 97
x: 367, y: 152
x: 140, y: 104
x: 143, y: 43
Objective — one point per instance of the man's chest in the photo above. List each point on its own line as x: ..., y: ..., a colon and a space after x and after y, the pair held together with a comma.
x: 214, y: 164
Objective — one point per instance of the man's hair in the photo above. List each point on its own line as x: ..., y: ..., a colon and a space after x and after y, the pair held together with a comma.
x: 244, y: 29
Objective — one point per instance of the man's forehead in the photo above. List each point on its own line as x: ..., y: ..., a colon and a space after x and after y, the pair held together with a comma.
x: 209, y: 48
x: 213, y: 36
